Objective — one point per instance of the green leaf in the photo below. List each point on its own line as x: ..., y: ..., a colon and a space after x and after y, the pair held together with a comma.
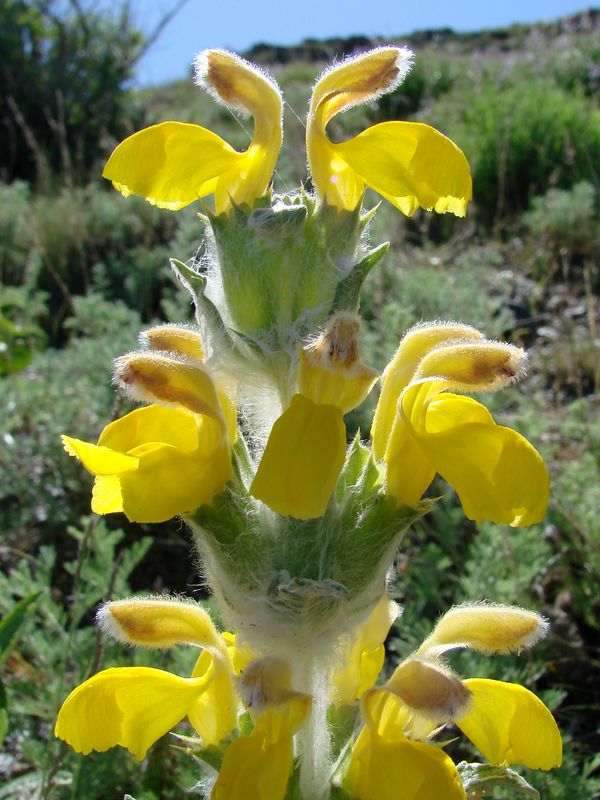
x: 11, y: 623
x: 3, y: 713
x: 483, y: 778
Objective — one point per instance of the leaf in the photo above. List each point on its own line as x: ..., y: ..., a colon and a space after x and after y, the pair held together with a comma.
x: 11, y: 623
x: 483, y: 778
x: 3, y: 713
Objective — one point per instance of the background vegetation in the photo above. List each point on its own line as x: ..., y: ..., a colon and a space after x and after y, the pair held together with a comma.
x: 82, y: 270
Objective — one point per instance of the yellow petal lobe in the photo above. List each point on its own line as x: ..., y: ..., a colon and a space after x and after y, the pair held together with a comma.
x: 380, y: 770
x: 510, y: 725
x: 366, y: 656
x: 107, y: 497
x: 214, y: 713
x: 497, y: 473
x: 412, y: 165
x: 302, y: 460
x: 170, y: 164
x: 152, y: 424
x: 157, y: 492
x: 129, y: 706
x: 99, y: 460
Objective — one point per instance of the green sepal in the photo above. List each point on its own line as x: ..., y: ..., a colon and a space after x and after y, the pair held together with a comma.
x: 342, y: 722
x: 360, y: 473
x: 192, y: 746
x: 347, y: 295
x: 196, y: 285
x: 483, y: 778
x: 245, y: 724
x: 242, y: 463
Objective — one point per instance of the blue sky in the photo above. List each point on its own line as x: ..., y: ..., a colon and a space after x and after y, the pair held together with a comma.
x: 237, y: 24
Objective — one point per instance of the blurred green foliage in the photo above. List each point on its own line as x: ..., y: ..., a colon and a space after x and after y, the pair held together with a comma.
x: 63, y: 87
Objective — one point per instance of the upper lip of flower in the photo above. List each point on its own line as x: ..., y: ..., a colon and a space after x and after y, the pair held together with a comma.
x: 174, y: 163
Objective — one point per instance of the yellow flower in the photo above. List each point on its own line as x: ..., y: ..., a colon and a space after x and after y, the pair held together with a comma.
x: 258, y: 766
x: 155, y: 463
x: 505, y: 721
x: 421, y: 428
x: 174, y: 163
x: 410, y: 164
x: 135, y: 706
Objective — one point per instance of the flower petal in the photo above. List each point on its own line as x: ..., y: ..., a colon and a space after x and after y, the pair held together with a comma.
x: 214, y: 713
x: 170, y: 164
x: 169, y: 482
x: 409, y: 470
x: 302, y: 460
x: 165, y: 379
x: 418, y: 341
x: 412, y: 165
x: 354, y: 81
x: 258, y: 766
x: 366, y: 657
x: 382, y: 770
x: 498, y: 475
x: 107, y: 497
x: 152, y: 424
x: 254, y: 768
x: 130, y: 706
x: 99, y: 460
x: 485, y: 628
x: 510, y: 725
x: 159, y: 623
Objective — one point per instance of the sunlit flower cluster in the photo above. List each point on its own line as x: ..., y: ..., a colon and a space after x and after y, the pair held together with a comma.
x: 243, y: 435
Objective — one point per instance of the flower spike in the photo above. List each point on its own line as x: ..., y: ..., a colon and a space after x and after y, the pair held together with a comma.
x: 410, y: 164
x: 174, y: 163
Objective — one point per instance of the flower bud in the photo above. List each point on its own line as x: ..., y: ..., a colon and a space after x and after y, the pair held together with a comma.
x: 331, y: 372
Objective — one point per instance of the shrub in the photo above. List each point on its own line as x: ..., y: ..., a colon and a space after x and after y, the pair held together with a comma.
x: 56, y: 68
x: 521, y: 141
